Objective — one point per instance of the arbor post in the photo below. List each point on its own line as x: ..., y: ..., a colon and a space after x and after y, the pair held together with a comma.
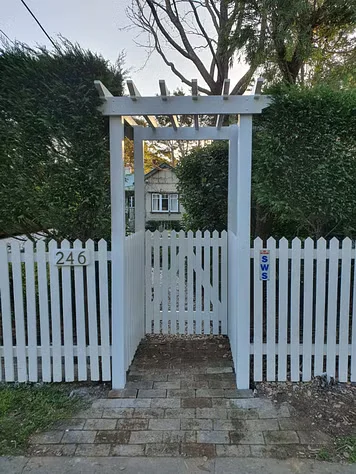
x: 117, y: 183
x: 243, y: 230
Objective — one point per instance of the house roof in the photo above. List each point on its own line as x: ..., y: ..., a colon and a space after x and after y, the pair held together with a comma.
x: 130, y: 177
x: 161, y: 167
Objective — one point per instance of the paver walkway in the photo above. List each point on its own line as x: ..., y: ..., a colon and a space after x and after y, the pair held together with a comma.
x: 180, y: 400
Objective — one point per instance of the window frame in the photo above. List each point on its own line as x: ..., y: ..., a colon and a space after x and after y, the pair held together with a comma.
x: 159, y: 197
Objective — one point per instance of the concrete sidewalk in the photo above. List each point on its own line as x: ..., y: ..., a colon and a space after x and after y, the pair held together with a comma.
x: 110, y: 465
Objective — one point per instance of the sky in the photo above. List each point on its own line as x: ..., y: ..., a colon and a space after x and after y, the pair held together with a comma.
x: 95, y: 25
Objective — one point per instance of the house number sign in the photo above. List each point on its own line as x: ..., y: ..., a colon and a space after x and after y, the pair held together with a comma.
x: 70, y: 257
x: 264, y: 265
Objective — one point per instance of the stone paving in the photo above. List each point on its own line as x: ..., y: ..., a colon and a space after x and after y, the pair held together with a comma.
x: 180, y: 400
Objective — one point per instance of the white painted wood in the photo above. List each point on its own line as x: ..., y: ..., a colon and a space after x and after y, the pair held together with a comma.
x: 117, y: 251
x: 182, y: 289
x: 104, y: 311
x: 164, y: 95
x: 271, y: 311
x: 223, y: 286
x: 80, y: 318
x: 257, y: 313
x: 67, y: 318
x: 283, y: 309
x: 332, y: 308
x: 353, y: 334
x: 139, y: 181
x: 232, y: 304
x: 43, y: 307
x: 195, y: 93
x: 243, y: 197
x: 19, y: 312
x: 31, y: 312
x: 135, y: 95
x: 295, y: 309
x: 320, y: 307
x: 308, y: 308
x: 186, y: 133
x: 102, y: 90
x: 56, y: 322
x: 157, y: 298
x: 258, y: 86
x: 206, y: 105
x: 92, y: 315
x: 206, y: 283
x: 6, y: 314
x: 190, y: 289
x: 165, y: 273
x: 225, y: 96
x: 104, y: 93
x: 128, y: 299
x: 198, y: 286
x: 142, y: 289
x: 149, y: 282
x: 173, y: 282
x: 215, y: 281
x: 345, y: 310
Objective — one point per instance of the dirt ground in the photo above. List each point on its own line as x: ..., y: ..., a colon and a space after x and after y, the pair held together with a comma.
x: 319, y: 405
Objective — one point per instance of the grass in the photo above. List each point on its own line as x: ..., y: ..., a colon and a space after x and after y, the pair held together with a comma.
x: 25, y: 409
x: 346, y: 447
x: 324, y: 455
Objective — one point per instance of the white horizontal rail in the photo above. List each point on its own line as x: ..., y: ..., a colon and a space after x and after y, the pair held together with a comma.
x: 301, y: 349
x: 39, y: 351
x: 206, y: 105
x: 96, y: 257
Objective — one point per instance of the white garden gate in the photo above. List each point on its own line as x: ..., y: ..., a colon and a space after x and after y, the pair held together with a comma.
x: 186, y: 283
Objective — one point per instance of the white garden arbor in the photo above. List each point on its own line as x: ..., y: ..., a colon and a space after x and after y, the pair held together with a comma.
x: 128, y: 317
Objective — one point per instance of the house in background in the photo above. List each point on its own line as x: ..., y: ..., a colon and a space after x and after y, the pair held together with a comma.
x: 163, y: 209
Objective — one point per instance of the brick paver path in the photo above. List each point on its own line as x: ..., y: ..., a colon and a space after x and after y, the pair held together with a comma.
x: 180, y: 399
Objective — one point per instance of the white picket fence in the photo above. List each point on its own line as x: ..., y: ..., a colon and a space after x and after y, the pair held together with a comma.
x: 186, y: 283
x: 304, y: 317
x: 55, y: 322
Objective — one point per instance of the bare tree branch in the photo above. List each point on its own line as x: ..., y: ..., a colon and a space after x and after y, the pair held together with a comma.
x: 202, y: 29
x: 243, y: 83
x: 172, y: 66
x: 192, y: 55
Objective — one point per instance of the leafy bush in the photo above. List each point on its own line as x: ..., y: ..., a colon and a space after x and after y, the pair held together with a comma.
x: 54, y: 156
x: 304, y: 169
x: 303, y: 173
x: 203, y: 180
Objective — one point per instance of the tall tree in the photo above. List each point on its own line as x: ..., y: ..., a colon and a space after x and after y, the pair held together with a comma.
x: 303, y: 34
x: 191, y: 26
x: 287, y: 39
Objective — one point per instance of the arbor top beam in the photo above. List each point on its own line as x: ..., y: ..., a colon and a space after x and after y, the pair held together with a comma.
x: 182, y: 105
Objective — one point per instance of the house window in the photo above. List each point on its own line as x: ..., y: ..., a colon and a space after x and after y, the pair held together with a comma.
x: 165, y: 203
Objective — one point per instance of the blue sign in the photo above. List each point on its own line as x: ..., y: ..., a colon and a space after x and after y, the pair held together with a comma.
x: 264, y: 265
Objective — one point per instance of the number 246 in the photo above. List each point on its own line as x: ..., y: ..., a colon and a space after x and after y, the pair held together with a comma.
x: 81, y: 258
